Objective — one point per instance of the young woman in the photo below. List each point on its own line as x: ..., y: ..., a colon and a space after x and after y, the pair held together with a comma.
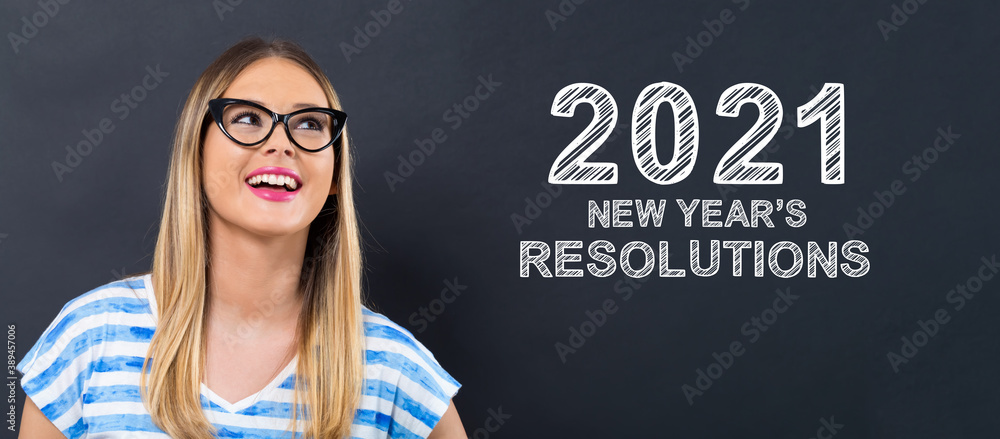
x: 250, y: 323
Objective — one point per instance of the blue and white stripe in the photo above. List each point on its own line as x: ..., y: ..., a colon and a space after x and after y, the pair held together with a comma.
x: 83, y: 373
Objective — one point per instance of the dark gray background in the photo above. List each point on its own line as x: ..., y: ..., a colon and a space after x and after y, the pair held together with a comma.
x: 826, y: 356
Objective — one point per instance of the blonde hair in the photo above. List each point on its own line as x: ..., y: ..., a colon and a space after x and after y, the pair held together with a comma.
x: 330, y: 347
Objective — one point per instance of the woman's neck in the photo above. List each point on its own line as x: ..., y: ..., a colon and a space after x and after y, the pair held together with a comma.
x: 253, y: 281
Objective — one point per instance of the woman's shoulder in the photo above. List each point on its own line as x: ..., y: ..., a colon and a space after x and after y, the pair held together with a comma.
x: 121, y: 294
x: 391, y: 346
x: 91, y: 318
x: 128, y: 296
x: 99, y: 333
x: 401, y: 370
x: 131, y: 290
x: 383, y: 334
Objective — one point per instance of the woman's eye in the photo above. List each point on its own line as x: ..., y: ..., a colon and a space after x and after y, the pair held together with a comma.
x: 309, y: 124
x: 247, y: 118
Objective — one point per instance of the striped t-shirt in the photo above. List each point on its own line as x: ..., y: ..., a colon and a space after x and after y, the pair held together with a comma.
x: 83, y: 373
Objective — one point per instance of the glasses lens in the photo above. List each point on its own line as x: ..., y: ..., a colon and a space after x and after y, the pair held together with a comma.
x: 245, y: 123
x: 313, y: 129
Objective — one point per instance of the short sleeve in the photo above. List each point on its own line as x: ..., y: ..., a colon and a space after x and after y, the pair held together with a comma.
x: 445, y: 386
x: 57, y: 368
x: 418, y: 386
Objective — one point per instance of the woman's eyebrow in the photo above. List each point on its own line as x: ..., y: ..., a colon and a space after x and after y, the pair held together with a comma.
x: 296, y: 106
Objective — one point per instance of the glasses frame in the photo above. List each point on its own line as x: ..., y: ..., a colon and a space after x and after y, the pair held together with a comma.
x: 216, y: 107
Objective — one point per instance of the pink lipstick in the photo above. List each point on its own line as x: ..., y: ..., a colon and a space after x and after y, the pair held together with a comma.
x: 273, y: 183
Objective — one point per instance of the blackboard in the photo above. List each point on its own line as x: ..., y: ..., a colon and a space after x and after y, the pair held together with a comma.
x: 452, y: 114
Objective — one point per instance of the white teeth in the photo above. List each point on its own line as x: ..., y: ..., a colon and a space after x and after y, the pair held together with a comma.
x: 273, y: 179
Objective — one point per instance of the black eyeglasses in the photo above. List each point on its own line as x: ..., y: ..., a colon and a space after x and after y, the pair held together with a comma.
x: 250, y: 124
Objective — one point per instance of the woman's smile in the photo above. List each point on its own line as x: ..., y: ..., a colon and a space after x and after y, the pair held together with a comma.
x: 274, y: 183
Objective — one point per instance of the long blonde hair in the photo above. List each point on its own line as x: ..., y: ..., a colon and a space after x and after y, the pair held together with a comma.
x: 330, y: 369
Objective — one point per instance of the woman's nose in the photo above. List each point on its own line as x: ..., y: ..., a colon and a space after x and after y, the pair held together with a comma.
x: 279, y: 141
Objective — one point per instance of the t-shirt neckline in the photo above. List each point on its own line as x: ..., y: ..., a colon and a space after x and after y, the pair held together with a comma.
x: 250, y: 400
x: 231, y: 407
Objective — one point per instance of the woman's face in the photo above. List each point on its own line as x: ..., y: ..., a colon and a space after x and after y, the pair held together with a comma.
x: 281, y: 86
